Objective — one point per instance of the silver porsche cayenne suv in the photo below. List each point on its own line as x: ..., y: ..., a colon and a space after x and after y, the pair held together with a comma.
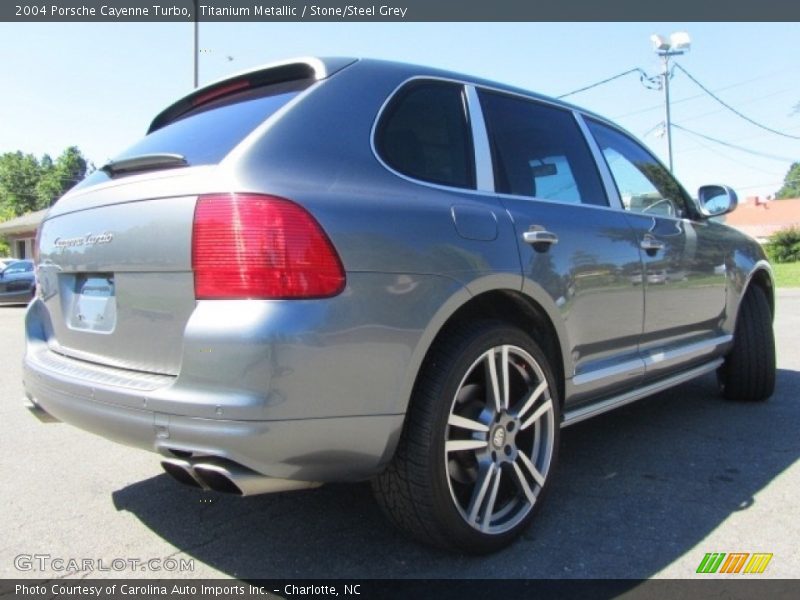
x: 337, y: 270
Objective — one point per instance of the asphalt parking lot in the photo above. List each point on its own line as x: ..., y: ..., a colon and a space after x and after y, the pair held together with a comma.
x: 641, y: 492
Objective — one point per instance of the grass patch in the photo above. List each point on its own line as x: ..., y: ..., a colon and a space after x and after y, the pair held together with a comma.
x: 787, y: 274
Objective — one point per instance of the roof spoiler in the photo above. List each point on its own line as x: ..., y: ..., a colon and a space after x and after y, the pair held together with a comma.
x: 279, y: 72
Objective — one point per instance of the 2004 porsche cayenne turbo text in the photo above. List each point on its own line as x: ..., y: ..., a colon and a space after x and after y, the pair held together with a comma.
x: 337, y: 269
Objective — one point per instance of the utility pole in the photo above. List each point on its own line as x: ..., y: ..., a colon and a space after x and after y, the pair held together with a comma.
x: 196, y: 61
x: 667, y: 119
x: 677, y: 44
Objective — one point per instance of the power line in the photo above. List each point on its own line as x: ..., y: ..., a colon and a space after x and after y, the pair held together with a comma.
x: 642, y: 76
x: 757, y: 136
x: 730, y: 108
x: 734, y: 146
x: 714, y: 151
x: 687, y: 98
x: 749, y: 101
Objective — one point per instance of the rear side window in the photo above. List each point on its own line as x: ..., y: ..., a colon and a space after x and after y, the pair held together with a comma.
x: 539, y: 151
x: 424, y: 134
x: 206, y: 134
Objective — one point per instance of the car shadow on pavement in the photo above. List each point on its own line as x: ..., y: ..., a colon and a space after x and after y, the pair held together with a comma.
x: 635, y: 490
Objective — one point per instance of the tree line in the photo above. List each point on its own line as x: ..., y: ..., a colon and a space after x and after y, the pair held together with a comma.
x: 28, y: 183
x: 791, y: 183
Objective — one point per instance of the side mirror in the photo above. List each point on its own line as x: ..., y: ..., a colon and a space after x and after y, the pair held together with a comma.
x: 716, y: 200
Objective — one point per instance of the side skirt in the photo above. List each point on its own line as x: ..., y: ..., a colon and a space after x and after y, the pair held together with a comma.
x: 586, y: 412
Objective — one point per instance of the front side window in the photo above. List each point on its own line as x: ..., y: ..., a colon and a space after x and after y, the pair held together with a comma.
x: 424, y: 134
x: 539, y: 151
x: 644, y: 185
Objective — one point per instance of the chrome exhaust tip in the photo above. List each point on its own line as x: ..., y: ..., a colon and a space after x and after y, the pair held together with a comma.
x: 181, y: 471
x: 225, y: 476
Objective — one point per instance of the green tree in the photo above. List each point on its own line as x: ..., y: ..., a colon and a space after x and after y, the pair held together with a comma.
x: 5, y: 215
x: 56, y: 178
x: 28, y: 184
x: 791, y: 183
x: 19, y: 176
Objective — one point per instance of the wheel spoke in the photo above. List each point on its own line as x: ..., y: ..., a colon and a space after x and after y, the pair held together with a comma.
x: 464, y: 423
x: 523, y: 484
x: 504, y: 395
x: 488, y: 511
x: 485, y: 476
x: 459, y: 445
x: 491, y: 363
x: 537, y: 431
x: 532, y: 399
x: 506, y: 382
x: 537, y: 477
x: 544, y: 408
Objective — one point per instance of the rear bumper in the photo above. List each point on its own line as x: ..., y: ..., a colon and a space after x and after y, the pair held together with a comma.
x: 324, y: 450
x: 312, y: 390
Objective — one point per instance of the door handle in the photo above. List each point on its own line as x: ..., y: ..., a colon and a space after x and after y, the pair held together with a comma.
x: 650, y: 244
x: 540, y: 236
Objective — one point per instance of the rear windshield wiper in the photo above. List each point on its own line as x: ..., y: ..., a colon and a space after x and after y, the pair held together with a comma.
x: 144, y: 162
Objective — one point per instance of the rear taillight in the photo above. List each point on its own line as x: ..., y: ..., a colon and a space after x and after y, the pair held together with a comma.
x: 254, y: 246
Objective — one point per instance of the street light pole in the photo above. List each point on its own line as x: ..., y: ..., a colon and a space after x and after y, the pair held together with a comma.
x: 677, y: 44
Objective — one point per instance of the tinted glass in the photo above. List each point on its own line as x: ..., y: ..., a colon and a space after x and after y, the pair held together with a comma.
x: 207, y: 135
x: 539, y: 151
x: 19, y: 267
x: 644, y: 185
x: 424, y: 134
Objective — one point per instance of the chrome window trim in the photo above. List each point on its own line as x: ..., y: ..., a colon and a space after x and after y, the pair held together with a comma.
x: 692, y: 203
x: 484, y: 169
x: 583, y: 133
x: 483, y: 193
x: 556, y: 202
x: 385, y: 165
x: 610, y: 185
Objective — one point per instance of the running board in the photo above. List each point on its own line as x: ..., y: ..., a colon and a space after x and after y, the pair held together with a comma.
x: 586, y: 412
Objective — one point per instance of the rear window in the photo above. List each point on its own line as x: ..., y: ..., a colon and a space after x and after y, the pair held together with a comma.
x: 206, y: 134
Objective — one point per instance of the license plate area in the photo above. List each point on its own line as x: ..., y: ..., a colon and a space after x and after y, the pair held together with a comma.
x: 94, y: 304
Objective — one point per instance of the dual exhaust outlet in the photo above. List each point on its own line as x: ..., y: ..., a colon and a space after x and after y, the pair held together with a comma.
x: 224, y: 475
x: 209, y: 472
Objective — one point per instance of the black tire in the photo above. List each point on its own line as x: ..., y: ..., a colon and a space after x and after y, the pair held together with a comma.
x: 749, y: 370
x: 425, y: 488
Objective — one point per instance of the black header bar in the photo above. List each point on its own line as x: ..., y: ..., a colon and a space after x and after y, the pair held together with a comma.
x: 401, y: 589
x: 395, y: 10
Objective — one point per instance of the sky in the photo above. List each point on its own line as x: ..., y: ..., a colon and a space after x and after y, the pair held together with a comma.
x: 98, y: 85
